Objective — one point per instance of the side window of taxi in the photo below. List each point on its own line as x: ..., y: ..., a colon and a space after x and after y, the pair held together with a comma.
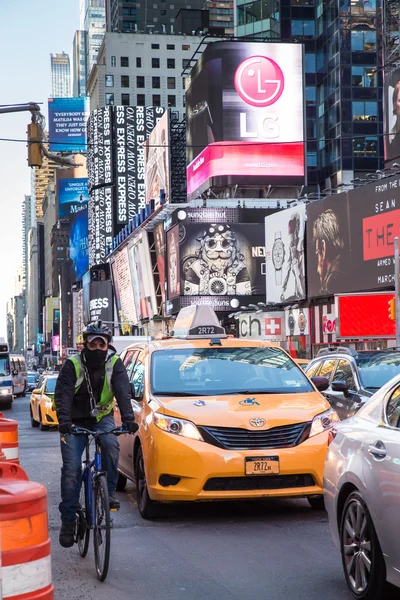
x: 138, y: 379
x: 393, y: 409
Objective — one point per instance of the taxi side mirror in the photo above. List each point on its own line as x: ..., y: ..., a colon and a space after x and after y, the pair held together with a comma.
x: 321, y: 383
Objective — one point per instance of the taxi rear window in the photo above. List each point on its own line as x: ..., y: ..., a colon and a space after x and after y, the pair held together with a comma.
x: 211, y: 371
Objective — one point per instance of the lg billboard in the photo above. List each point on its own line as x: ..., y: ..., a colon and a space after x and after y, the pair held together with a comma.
x: 245, y: 116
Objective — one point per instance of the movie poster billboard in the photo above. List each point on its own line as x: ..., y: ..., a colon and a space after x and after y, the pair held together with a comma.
x: 73, y: 196
x: 67, y: 124
x: 142, y: 278
x: 391, y: 113
x: 79, y: 243
x: 157, y: 160
x: 222, y: 260
x: 173, y: 275
x: 285, y: 257
x: 123, y: 288
x: 244, y: 115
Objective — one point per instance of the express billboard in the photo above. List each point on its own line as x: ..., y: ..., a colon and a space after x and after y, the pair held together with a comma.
x: 391, y: 113
x: 285, y: 258
x: 244, y: 110
x: 67, y: 124
x: 157, y: 160
x: 350, y: 239
x: 73, y: 196
x: 100, y: 155
x: 101, y: 301
x: 101, y: 224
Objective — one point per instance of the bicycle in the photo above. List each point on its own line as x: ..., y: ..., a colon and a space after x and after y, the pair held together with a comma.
x: 93, y: 508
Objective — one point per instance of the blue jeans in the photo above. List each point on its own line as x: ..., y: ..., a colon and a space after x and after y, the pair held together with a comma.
x: 71, y: 470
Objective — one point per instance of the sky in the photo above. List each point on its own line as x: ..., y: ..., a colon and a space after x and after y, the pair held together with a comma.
x: 29, y: 32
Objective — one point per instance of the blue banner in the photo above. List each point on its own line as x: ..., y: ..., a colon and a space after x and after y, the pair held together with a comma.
x: 79, y: 244
x: 67, y: 124
x: 73, y: 196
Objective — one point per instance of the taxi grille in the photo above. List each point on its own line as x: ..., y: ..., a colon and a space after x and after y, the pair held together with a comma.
x: 269, y: 482
x: 234, y: 438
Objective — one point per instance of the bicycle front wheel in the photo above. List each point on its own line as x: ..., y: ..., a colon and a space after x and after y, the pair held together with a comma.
x: 101, y: 527
x: 82, y: 523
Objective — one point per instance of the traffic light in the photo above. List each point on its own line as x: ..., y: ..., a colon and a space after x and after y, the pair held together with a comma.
x: 34, y: 150
x: 392, y: 309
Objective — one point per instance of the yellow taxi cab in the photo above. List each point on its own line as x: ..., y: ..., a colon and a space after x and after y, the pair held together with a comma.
x: 42, y: 412
x: 221, y: 418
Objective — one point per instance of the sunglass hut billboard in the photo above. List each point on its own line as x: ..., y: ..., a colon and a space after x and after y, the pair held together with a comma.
x: 245, y: 116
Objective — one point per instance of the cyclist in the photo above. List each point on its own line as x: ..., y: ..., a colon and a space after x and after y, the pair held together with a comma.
x: 84, y: 396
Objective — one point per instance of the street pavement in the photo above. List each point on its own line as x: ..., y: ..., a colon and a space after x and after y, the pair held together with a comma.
x: 267, y: 550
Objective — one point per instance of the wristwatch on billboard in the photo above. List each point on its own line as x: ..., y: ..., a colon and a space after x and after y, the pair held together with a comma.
x: 278, y: 257
x: 291, y: 323
x: 302, y: 321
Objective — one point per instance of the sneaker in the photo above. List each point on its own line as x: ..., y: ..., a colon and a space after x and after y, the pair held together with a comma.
x: 67, y: 534
x: 114, y: 502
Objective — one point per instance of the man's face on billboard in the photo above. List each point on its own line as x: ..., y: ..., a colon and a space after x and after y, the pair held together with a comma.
x: 320, y: 251
x: 396, y: 105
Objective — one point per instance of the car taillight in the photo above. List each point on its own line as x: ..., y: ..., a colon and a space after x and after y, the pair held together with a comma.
x: 331, y: 435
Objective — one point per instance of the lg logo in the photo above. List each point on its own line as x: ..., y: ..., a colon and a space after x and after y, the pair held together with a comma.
x: 259, y: 81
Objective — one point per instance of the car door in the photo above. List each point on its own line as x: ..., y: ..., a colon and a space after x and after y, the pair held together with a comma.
x: 36, y: 402
x: 345, y: 402
x: 381, y: 470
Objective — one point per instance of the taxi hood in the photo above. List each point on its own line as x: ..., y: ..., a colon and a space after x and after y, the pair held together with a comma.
x: 236, y: 410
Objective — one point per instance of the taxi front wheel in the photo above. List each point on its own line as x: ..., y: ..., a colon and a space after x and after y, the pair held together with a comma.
x: 148, y: 508
x: 33, y: 422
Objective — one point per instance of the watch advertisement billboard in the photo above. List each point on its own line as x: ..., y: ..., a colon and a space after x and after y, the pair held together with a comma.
x: 73, y: 196
x: 67, y: 124
x: 285, y: 259
x: 391, y: 114
x: 157, y: 160
x: 173, y: 274
x: 79, y: 243
x: 123, y: 289
x: 100, y: 155
x: 101, y: 224
x: 101, y: 302
x: 265, y: 326
x: 350, y: 239
x: 244, y: 114
x: 222, y: 260
x: 297, y: 321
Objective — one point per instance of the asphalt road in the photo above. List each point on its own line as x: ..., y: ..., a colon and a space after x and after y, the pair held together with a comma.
x: 267, y: 550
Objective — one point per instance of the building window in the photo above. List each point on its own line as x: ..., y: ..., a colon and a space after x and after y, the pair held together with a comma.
x: 109, y: 80
x: 363, y: 76
x: 155, y: 82
x: 363, y: 41
x: 311, y: 96
x: 171, y: 83
x: 185, y: 63
x: 163, y: 13
x: 109, y: 99
x: 140, y: 81
x: 155, y: 63
x: 365, y: 147
x: 364, y: 111
x: 309, y: 63
x: 125, y: 99
x: 113, y: 61
x: 138, y: 62
x: 185, y: 46
x: 141, y: 100
x: 303, y: 28
x: 312, y: 159
x: 124, y: 61
x: 184, y: 100
x: 170, y: 63
x: 156, y: 100
x: 171, y: 101
x: 124, y: 81
x: 155, y: 46
x: 170, y: 46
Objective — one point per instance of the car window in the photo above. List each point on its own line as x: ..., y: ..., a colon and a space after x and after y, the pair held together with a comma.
x: 129, y: 361
x: 393, y: 409
x: 313, y: 369
x: 344, y: 373
x: 51, y: 385
x: 138, y: 379
x: 327, y: 368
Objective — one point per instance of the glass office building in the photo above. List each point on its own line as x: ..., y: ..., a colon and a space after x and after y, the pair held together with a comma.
x: 60, y: 75
x: 93, y: 22
x: 343, y: 83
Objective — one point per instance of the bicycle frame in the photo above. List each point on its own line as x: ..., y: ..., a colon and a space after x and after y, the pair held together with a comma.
x: 92, y: 468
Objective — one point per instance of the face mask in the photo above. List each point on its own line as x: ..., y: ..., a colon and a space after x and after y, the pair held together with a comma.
x: 95, y: 358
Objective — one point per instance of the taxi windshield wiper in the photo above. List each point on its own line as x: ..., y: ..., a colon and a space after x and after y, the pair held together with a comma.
x: 249, y: 392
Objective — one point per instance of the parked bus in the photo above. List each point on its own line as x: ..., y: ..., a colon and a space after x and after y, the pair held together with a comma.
x: 6, y: 383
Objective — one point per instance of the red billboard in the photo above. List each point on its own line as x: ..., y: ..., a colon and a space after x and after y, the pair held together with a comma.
x: 245, y: 116
x: 363, y: 316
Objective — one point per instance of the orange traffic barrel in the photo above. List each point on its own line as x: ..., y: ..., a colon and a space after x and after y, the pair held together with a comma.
x: 25, y: 572
x: 9, y: 439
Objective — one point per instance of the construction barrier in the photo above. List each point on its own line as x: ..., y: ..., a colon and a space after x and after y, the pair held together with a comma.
x: 25, y: 572
x: 9, y: 439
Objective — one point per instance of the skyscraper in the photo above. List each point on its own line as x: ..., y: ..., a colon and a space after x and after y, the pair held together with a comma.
x: 60, y: 75
x: 125, y: 16
x: 93, y: 22
x: 28, y: 221
x: 79, y: 64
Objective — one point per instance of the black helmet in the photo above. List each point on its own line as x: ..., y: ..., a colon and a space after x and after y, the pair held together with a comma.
x: 98, y: 329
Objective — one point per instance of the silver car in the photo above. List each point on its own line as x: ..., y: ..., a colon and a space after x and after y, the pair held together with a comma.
x: 362, y: 494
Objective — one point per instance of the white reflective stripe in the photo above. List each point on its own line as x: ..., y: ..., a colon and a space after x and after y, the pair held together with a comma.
x: 26, y: 577
x: 11, y: 452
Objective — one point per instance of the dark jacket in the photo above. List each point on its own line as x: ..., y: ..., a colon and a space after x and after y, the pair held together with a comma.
x: 75, y: 408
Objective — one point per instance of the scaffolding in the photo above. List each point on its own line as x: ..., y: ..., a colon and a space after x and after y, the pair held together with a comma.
x: 391, y: 35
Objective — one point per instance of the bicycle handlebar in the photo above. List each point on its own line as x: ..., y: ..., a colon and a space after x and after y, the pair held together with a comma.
x: 83, y: 431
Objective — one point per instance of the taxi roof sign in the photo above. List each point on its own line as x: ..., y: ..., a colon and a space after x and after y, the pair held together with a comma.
x: 197, y: 322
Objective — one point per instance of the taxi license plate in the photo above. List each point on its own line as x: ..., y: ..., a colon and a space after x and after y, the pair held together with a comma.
x: 262, y: 465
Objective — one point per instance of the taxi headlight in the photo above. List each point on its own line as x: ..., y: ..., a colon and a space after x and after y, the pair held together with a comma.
x: 324, y: 421
x: 177, y: 426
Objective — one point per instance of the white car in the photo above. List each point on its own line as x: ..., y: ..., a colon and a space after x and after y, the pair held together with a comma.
x: 362, y: 494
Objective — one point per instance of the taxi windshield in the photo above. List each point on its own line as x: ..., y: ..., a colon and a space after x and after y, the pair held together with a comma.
x: 216, y: 371
x: 51, y: 385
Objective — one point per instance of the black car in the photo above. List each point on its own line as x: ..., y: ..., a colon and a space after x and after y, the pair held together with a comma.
x: 32, y: 380
x: 354, y: 376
